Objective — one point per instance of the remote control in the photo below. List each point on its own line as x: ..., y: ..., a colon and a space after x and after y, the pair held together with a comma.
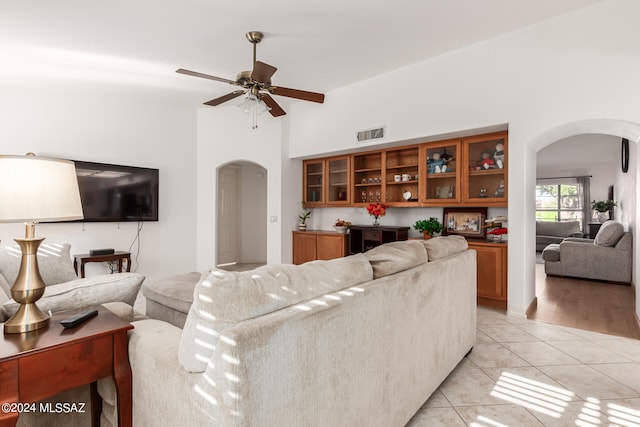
x: 76, y: 319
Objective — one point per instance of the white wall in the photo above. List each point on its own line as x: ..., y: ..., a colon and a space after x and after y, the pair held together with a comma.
x: 110, y: 124
x: 225, y: 136
x: 581, y: 66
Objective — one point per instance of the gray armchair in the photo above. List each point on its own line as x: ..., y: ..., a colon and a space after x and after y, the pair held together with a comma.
x: 607, y: 257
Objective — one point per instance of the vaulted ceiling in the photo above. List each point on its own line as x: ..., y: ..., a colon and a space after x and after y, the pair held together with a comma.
x: 316, y: 45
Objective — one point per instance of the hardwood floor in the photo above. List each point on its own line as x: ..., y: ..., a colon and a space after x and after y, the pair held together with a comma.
x: 585, y: 304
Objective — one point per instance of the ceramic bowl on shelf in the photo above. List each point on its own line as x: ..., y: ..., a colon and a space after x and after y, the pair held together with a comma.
x: 341, y: 228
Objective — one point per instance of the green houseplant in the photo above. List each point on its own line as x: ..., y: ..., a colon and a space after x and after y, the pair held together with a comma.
x: 429, y: 227
x: 603, y: 207
x: 304, y: 215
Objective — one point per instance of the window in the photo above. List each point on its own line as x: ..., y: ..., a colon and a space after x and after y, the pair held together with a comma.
x: 559, y: 202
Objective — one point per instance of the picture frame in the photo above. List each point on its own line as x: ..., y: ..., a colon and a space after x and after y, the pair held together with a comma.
x: 467, y: 222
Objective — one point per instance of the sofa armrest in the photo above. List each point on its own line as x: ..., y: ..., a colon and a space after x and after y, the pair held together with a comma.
x: 578, y: 240
x: 121, y: 287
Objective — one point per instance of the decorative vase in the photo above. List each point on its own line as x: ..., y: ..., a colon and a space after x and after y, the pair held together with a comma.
x: 302, y: 227
x: 376, y: 221
x: 603, y: 216
x: 426, y: 235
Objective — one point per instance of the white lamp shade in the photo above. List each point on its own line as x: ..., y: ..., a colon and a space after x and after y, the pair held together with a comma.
x: 38, y: 189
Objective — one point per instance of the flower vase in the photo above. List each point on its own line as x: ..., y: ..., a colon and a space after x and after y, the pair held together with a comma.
x: 603, y: 217
x: 426, y: 235
x: 376, y: 221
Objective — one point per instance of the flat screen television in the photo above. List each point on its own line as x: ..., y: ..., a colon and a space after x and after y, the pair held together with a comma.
x: 114, y: 193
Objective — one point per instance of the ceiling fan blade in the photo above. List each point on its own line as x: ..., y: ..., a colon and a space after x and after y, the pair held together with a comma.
x: 224, y: 98
x: 262, y: 72
x: 276, y: 110
x: 298, y: 94
x: 204, y: 76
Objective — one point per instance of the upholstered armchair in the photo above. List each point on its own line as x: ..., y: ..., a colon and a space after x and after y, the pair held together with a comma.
x: 607, y: 257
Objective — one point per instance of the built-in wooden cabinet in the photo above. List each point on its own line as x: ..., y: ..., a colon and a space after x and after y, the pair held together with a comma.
x: 441, y: 173
x: 313, y: 245
x: 402, y: 177
x: 491, y: 260
x: 469, y: 171
x: 484, y: 182
x: 327, y: 182
x: 367, y: 178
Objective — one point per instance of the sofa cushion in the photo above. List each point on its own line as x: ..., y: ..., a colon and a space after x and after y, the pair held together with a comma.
x: 394, y: 257
x: 175, y: 292
x: 551, y: 252
x: 222, y: 298
x: 609, y: 234
x: 94, y: 290
x: 444, y: 246
x: 54, y: 263
x: 558, y: 228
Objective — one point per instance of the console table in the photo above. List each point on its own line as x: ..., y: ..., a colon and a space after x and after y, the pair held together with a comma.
x: 365, y: 237
x: 40, y: 364
x: 118, y: 256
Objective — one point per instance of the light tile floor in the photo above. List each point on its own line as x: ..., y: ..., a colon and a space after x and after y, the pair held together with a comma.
x: 528, y: 373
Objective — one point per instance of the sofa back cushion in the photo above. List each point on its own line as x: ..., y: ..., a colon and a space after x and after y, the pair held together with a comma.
x: 222, y: 298
x: 54, y: 263
x: 609, y: 234
x: 557, y: 228
x: 394, y: 257
x: 444, y: 246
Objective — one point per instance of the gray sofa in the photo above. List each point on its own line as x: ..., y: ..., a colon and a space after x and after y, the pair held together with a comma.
x: 548, y: 232
x: 607, y: 257
x: 361, y: 341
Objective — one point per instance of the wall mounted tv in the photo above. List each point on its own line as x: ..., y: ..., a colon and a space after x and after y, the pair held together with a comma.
x: 113, y: 193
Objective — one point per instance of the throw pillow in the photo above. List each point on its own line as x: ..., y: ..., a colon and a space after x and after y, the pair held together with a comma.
x: 54, y: 263
x: 609, y: 234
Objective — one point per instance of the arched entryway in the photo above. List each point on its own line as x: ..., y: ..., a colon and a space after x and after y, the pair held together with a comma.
x: 627, y: 188
x: 241, y: 214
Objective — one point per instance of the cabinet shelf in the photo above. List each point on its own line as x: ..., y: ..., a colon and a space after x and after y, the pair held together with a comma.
x: 338, y: 171
x: 441, y: 175
x: 413, y: 181
x: 368, y: 170
x: 408, y: 166
x: 487, y: 172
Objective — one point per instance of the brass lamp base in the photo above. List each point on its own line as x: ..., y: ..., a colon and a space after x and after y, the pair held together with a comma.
x: 28, y: 318
x: 28, y: 288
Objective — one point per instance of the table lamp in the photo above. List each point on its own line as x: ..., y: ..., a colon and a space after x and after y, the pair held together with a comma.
x: 34, y: 189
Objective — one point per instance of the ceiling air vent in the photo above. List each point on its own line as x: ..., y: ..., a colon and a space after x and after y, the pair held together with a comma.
x: 372, y: 134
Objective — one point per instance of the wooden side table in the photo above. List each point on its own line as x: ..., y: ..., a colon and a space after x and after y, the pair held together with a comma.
x: 118, y: 256
x: 40, y: 364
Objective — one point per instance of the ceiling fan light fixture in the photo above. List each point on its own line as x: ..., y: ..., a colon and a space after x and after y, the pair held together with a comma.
x: 254, y: 106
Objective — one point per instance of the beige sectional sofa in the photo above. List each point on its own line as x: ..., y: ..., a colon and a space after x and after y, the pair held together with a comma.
x: 356, y: 341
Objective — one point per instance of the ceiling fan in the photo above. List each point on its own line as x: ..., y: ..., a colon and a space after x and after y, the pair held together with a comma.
x: 257, y: 83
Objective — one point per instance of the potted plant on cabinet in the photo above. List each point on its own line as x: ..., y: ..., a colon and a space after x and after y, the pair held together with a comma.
x: 429, y: 227
x: 603, y: 207
x: 303, y: 217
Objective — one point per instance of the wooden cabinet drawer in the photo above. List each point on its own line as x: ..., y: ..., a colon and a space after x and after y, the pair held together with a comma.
x: 369, y: 234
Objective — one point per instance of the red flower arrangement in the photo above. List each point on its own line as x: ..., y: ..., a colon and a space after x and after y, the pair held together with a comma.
x: 376, y: 209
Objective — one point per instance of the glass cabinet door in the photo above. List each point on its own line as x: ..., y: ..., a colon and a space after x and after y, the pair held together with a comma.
x: 313, y: 182
x: 442, y: 175
x: 338, y: 176
x: 486, y: 169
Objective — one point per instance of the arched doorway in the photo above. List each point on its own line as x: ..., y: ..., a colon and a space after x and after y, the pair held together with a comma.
x: 241, y: 217
x: 626, y: 185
